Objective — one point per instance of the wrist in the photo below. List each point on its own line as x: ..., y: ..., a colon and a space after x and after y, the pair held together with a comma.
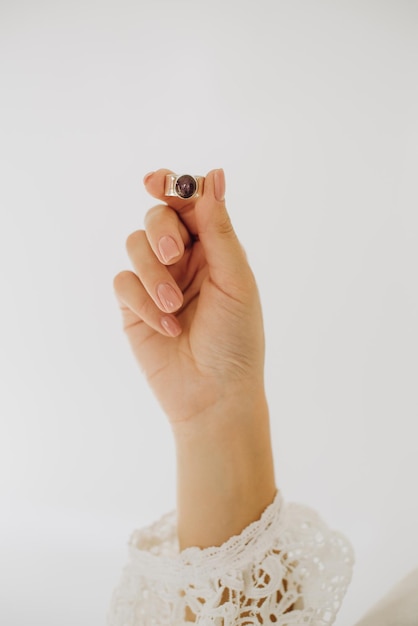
x: 242, y: 405
x: 225, y: 472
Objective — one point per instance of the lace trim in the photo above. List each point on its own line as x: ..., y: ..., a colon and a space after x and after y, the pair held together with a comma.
x: 286, y: 568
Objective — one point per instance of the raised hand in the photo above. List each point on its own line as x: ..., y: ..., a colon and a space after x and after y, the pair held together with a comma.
x: 190, y: 308
x: 192, y: 315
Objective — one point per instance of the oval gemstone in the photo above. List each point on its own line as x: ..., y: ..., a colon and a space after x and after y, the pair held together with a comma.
x: 186, y: 186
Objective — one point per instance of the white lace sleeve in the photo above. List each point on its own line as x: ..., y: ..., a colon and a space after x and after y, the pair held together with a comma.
x: 286, y: 568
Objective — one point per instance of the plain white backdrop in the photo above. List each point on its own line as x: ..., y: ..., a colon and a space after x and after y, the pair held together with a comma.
x: 311, y: 109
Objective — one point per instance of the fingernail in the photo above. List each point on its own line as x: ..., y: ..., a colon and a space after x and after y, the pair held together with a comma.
x: 170, y: 299
x: 168, y: 248
x: 219, y: 180
x: 171, y: 326
x: 147, y: 177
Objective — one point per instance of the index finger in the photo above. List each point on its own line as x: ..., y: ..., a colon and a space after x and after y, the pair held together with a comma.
x: 155, y: 185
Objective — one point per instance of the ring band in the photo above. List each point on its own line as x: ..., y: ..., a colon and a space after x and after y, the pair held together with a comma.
x: 184, y: 186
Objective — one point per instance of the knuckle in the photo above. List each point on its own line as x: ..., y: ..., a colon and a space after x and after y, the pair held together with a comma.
x: 224, y: 226
x: 154, y: 214
x: 121, y: 279
x: 133, y: 240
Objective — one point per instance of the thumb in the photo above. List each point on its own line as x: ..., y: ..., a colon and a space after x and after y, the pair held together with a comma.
x: 224, y: 254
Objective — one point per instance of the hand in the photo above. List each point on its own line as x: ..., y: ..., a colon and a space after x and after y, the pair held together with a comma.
x: 192, y: 314
x: 191, y: 308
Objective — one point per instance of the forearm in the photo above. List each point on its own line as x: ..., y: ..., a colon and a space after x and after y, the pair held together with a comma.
x: 225, y: 472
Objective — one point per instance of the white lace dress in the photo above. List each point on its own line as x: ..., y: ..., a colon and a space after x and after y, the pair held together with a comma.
x: 286, y: 568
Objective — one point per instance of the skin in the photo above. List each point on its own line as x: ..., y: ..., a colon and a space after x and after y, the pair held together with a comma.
x: 203, y: 357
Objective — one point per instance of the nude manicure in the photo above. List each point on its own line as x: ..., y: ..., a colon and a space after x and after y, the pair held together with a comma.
x: 168, y: 248
x: 168, y: 297
x: 219, y: 184
x: 147, y: 177
x: 171, y: 326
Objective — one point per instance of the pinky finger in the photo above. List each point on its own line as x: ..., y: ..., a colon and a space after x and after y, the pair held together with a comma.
x: 137, y: 306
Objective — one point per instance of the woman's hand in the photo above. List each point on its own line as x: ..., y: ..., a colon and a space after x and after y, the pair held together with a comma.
x: 192, y: 314
x: 191, y: 309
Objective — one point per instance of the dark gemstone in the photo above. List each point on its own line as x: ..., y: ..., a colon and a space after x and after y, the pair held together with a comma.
x: 186, y: 186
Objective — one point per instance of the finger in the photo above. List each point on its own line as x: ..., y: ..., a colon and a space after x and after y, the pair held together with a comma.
x: 154, y: 276
x: 166, y: 234
x: 155, y: 185
x: 137, y: 307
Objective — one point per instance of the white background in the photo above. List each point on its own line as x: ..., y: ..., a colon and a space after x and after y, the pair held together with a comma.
x: 310, y: 107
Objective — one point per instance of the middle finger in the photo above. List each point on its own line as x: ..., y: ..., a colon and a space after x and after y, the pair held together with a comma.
x: 166, y: 233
